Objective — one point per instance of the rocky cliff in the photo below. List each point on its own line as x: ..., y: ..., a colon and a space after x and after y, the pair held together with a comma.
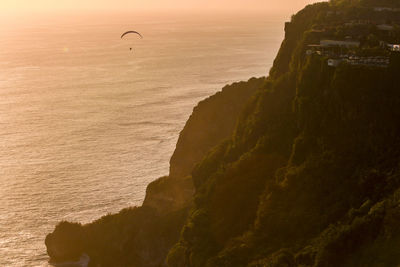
x: 212, y: 121
x: 311, y: 175
x: 304, y: 173
x: 142, y: 236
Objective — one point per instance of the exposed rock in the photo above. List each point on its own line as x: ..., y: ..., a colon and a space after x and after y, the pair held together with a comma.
x: 143, y: 236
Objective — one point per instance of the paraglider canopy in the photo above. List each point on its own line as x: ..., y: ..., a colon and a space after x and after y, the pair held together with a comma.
x: 128, y: 32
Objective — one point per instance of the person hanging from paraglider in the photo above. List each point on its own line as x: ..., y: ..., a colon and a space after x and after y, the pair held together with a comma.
x: 134, y: 32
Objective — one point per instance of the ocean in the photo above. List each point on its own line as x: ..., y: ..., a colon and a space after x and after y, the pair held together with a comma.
x: 86, y: 123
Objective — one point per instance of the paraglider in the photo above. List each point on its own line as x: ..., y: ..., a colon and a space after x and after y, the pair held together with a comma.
x: 125, y: 33
x: 131, y: 32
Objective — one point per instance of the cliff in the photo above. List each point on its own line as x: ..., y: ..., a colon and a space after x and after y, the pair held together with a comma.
x: 299, y: 169
x: 212, y: 121
x: 311, y: 175
x: 142, y: 236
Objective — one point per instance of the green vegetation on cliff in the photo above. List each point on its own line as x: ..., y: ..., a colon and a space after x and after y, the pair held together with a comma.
x: 299, y: 169
x: 311, y: 175
x: 142, y: 236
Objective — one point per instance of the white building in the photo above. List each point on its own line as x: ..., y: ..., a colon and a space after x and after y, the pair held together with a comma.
x: 385, y: 27
x: 331, y: 43
x: 381, y: 8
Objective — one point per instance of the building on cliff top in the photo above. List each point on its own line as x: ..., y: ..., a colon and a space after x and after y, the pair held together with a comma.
x: 385, y: 27
x: 381, y: 8
x: 374, y: 62
x: 333, y: 43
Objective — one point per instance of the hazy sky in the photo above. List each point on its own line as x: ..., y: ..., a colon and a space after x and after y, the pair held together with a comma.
x: 34, y: 6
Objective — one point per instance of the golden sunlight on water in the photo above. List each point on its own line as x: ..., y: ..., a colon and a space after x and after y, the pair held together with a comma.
x: 86, y: 124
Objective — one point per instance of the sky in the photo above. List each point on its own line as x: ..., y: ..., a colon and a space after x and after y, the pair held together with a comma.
x: 15, y: 7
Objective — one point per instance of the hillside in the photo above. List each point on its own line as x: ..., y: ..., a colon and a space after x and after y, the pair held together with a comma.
x: 299, y: 169
x: 311, y: 175
x: 142, y: 236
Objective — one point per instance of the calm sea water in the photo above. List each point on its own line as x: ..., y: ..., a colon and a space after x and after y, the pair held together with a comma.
x: 86, y: 124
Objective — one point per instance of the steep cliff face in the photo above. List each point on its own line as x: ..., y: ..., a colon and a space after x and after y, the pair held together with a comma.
x: 212, y: 121
x: 133, y: 237
x: 142, y: 236
x: 311, y: 174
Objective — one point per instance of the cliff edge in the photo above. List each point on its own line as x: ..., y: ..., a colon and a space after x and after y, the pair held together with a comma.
x: 299, y: 169
x: 311, y: 175
x: 142, y: 236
